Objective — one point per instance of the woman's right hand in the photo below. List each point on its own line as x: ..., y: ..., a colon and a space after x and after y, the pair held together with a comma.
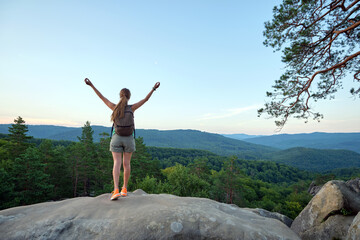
x: 88, y: 82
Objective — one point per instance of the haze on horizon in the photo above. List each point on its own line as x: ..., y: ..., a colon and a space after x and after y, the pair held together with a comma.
x: 209, y: 57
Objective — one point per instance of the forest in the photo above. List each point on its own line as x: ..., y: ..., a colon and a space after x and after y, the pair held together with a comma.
x: 39, y: 170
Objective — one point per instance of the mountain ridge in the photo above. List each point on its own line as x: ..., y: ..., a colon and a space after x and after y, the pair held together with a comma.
x: 318, y: 160
x: 317, y: 140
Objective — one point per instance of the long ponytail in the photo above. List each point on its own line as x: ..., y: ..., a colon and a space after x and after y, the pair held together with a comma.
x: 119, y: 110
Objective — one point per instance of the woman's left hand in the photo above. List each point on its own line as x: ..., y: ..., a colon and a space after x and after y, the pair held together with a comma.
x: 156, y: 85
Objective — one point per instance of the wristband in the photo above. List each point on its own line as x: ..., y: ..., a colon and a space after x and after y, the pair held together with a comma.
x: 154, y: 89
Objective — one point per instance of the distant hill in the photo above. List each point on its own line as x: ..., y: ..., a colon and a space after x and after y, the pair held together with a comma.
x: 241, y: 136
x: 192, y: 139
x: 348, y: 141
x: 318, y: 160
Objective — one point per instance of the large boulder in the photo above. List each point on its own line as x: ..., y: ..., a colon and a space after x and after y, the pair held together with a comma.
x: 319, y: 219
x: 138, y: 216
x: 354, y: 185
x: 354, y: 229
x: 314, y: 189
x: 335, y: 227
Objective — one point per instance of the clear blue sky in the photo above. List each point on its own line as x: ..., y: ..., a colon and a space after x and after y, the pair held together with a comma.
x: 207, y: 54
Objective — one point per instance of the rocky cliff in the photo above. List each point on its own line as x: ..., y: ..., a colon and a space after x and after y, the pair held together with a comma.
x: 333, y: 213
x: 140, y: 216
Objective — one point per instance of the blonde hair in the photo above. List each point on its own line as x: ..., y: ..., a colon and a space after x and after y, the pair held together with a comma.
x: 120, y: 107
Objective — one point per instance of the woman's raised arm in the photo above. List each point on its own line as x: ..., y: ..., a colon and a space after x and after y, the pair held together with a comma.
x: 104, y: 99
x: 140, y: 103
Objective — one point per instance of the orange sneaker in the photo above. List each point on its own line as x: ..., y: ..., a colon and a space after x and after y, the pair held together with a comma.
x: 123, y: 192
x: 115, y: 194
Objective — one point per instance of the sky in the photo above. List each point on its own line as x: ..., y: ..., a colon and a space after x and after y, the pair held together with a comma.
x: 208, y: 56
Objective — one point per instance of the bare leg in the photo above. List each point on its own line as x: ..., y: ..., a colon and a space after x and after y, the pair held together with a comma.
x: 126, y: 162
x: 116, y: 168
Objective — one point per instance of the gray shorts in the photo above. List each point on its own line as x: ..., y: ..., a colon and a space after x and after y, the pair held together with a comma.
x: 122, y: 144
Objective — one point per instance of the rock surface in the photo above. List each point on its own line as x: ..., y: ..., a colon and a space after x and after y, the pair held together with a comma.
x: 138, y: 216
x: 262, y: 212
x: 354, y: 229
x: 322, y: 218
x: 354, y: 185
x: 335, y: 227
x: 314, y: 189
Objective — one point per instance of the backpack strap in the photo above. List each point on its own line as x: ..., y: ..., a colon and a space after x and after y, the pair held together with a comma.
x: 132, y: 113
x: 112, y: 129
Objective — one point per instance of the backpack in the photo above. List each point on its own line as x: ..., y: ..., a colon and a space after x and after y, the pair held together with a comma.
x: 125, y: 126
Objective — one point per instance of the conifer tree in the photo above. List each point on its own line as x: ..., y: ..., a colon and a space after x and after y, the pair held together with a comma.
x: 6, y: 189
x: 18, y: 137
x: 87, y: 135
x: 74, y: 153
x: 227, y: 182
x: 88, y: 161
x: 58, y: 168
x: 31, y: 182
x: 103, y: 170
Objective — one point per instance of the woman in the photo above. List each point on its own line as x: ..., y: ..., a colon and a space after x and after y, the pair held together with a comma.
x: 121, y: 147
